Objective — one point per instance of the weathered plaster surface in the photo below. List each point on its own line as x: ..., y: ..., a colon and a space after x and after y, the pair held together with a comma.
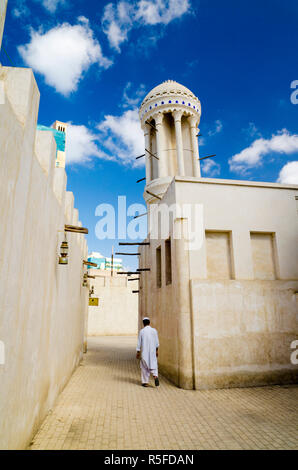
x: 220, y: 332
x: 243, y: 331
x: 117, y: 311
x: 3, y: 5
x: 42, y: 304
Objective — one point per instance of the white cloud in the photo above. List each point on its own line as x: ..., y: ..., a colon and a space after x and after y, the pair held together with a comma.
x: 217, y: 129
x: 51, y: 5
x: 82, y: 145
x: 131, y: 98
x: 210, y: 168
x: 283, y: 142
x: 118, y: 19
x: 161, y: 11
x: 116, y: 22
x: 251, y: 130
x: 289, y: 173
x: 123, y: 137
x: 20, y: 9
x: 63, y: 54
x: 117, y: 138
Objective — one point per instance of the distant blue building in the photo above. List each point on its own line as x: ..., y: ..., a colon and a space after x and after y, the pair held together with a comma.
x: 104, y: 263
x: 59, y: 132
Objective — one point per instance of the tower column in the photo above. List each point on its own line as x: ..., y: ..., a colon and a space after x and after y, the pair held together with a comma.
x: 161, y: 163
x: 179, y: 144
x: 147, y: 131
x: 195, y: 147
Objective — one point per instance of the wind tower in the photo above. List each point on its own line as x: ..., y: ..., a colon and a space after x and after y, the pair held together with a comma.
x: 60, y: 137
x: 170, y: 115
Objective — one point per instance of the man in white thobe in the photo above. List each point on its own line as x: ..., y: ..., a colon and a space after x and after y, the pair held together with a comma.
x: 147, y: 351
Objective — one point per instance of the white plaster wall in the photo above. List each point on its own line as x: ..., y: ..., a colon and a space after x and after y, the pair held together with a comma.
x: 241, y: 207
x: 42, y: 304
x: 242, y: 332
x: 117, y: 311
x: 216, y: 322
x: 3, y: 4
x: 162, y: 305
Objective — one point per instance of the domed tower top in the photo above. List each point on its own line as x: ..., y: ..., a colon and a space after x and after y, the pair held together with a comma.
x: 169, y: 95
x: 170, y: 115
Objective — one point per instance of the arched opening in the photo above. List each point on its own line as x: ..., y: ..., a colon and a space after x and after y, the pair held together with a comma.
x: 169, y: 144
x: 153, y: 150
x: 187, y: 147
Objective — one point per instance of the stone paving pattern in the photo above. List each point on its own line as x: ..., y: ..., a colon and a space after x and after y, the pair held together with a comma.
x: 104, y: 406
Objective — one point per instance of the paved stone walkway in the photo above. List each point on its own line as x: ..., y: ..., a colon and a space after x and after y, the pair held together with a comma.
x: 104, y: 407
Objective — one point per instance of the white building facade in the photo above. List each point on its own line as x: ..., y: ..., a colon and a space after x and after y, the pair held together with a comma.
x: 3, y: 5
x: 113, y: 304
x: 43, y: 304
x: 222, y: 286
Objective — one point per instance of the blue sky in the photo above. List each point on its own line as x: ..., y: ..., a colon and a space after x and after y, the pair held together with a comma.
x: 95, y: 61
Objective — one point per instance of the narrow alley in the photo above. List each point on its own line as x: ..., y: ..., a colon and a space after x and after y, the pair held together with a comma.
x: 104, y: 406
